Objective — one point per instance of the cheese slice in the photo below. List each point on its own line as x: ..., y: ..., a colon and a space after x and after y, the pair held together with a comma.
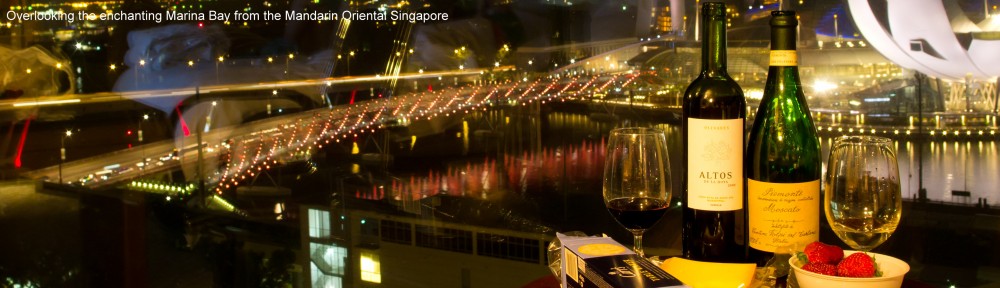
x: 698, y: 274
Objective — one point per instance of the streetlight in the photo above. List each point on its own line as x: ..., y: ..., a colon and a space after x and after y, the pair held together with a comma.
x: 143, y: 148
x: 221, y: 59
x: 349, y: 56
x: 62, y: 153
x: 144, y: 118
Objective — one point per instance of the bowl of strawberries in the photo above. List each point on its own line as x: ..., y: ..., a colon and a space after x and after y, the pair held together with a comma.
x: 821, y: 265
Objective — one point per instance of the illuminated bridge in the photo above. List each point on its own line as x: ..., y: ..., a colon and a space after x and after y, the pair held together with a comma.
x: 623, y: 79
x: 229, y: 155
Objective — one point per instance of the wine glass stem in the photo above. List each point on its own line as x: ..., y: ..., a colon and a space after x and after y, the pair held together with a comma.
x: 637, y: 243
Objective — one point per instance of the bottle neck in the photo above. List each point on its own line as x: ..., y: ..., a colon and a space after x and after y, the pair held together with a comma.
x: 783, y: 52
x: 783, y: 73
x: 713, y: 45
x: 783, y: 37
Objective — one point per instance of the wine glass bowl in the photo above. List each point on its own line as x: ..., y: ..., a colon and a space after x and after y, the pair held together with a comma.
x: 637, y: 179
x: 862, y: 199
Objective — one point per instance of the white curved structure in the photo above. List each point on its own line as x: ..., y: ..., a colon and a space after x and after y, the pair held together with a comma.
x: 924, y: 35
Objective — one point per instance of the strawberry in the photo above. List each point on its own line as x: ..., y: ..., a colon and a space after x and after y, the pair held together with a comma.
x: 857, y: 265
x: 817, y: 252
x: 821, y: 268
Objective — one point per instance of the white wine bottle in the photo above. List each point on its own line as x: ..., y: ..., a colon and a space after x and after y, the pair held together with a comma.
x: 783, y: 155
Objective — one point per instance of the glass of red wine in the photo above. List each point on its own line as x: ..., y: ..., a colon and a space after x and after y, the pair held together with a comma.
x: 637, y: 179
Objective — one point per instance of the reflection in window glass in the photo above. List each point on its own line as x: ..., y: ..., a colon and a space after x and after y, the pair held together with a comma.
x: 326, y: 281
x: 444, y: 239
x: 330, y: 256
x: 508, y: 247
x: 396, y: 232
x: 328, y: 264
x: 490, y: 139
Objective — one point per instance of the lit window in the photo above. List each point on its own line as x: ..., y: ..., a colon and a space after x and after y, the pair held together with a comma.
x: 319, y: 279
x: 371, y: 269
x: 319, y: 223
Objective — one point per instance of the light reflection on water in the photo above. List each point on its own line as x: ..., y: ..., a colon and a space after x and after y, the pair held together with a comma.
x: 952, y: 165
x: 948, y: 166
x: 969, y: 165
x: 579, y: 162
x: 576, y: 155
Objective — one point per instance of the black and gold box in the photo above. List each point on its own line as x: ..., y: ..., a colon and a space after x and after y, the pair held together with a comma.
x: 600, y: 262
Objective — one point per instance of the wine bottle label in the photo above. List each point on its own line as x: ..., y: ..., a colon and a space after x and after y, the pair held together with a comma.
x: 784, y: 58
x: 782, y: 214
x: 715, y: 164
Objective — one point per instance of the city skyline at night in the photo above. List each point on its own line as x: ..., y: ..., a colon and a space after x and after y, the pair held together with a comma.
x: 322, y: 143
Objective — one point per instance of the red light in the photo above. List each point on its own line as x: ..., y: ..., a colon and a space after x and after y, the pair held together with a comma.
x: 180, y: 117
x: 20, y: 144
x: 128, y: 132
x: 201, y: 25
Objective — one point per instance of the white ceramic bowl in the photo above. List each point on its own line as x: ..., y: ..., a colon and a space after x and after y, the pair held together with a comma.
x: 892, y: 274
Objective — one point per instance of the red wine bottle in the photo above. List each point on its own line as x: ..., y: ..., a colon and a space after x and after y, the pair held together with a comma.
x: 714, y: 115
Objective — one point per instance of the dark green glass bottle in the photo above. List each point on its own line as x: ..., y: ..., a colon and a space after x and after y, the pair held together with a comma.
x: 714, y: 117
x: 783, y: 155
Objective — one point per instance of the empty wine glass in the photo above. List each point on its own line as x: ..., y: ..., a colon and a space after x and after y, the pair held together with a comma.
x: 637, y: 179
x: 862, y: 198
